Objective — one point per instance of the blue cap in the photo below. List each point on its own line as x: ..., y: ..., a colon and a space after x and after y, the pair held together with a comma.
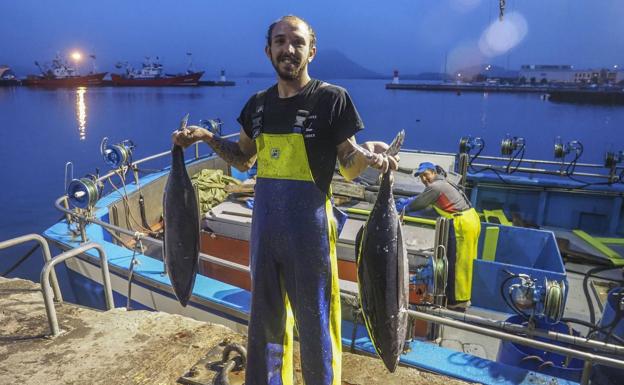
x: 424, y: 166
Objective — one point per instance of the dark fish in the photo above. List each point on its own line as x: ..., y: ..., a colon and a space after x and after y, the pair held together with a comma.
x: 181, y: 216
x: 383, y: 276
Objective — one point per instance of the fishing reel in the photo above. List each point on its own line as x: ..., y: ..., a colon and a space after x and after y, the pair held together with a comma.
x: 511, y: 144
x: 542, y: 301
x: 468, y: 143
x: 83, y: 193
x: 433, y: 275
x: 117, y: 155
x: 563, y: 149
x: 212, y: 125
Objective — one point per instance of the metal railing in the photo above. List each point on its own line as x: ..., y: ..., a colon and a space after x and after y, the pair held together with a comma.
x: 589, y: 358
x: 48, y: 270
x: 45, y: 249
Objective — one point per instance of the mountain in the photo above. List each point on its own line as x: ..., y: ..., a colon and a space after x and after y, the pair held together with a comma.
x: 487, y: 71
x: 332, y: 64
x: 426, y: 76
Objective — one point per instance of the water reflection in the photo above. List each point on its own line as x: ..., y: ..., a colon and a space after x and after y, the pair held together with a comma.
x: 81, y: 112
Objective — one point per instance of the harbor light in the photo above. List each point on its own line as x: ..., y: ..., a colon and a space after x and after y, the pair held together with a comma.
x: 77, y: 56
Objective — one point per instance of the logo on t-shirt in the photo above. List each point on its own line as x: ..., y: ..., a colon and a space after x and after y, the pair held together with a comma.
x: 275, y: 153
x: 308, y: 130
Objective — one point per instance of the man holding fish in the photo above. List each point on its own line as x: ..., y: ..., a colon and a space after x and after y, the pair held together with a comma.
x: 295, y: 130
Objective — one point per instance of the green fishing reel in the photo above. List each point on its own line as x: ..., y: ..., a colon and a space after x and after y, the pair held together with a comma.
x: 212, y: 125
x: 83, y: 193
x: 542, y: 301
x: 433, y: 274
x: 563, y: 149
x: 510, y: 144
x: 468, y: 143
x: 117, y: 155
x: 612, y: 158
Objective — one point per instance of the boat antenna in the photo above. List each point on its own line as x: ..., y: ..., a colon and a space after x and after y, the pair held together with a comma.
x: 92, y: 56
x: 38, y: 66
x: 189, y: 69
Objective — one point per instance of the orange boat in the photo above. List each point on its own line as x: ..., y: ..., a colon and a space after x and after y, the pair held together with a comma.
x: 151, y: 75
x: 61, y: 74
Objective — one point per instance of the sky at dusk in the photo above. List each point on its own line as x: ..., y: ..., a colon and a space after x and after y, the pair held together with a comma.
x: 409, y: 35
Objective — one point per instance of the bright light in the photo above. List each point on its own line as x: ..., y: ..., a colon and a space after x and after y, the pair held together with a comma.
x: 76, y: 56
x: 502, y: 36
x: 615, y: 67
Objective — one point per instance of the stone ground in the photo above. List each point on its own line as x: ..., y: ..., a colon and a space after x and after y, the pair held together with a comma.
x: 131, y: 347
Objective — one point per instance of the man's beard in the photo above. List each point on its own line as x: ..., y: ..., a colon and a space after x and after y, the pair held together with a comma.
x: 296, y: 70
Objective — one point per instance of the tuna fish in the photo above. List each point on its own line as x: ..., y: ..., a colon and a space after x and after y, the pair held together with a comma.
x: 383, y: 276
x: 181, y: 217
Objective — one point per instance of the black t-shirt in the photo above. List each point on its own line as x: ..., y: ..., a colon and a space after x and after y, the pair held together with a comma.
x: 332, y: 120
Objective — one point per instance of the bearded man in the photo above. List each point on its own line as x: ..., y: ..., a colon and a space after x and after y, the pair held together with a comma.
x: 296, y: 130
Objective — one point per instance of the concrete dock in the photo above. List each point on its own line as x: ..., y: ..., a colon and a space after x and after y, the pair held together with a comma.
x: 132, y: 347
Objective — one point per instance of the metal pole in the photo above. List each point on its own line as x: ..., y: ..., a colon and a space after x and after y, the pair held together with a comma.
x: 520, y: 340
x: 594, y: 358
x: 537, y: 161
x: 46, y: 256
x: 463, y: 168
x: 520, y: 329
x: 541, y: 171
x: 48, y: 269
x: 586, y: 374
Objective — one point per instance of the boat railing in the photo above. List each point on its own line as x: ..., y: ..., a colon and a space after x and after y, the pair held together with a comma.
x: 45, y: 249
x: 49, y: 283
x: 48, y: 269
x: 518, y: 334
x: 84, y: 217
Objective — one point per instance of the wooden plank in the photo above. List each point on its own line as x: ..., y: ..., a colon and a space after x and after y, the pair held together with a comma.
x: 347, y: 189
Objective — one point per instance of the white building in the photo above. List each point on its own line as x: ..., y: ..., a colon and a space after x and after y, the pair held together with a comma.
x: 536, y: 73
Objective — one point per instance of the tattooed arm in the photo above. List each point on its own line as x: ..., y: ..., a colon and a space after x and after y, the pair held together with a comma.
x: 354, y: 158
x: 241, y: 154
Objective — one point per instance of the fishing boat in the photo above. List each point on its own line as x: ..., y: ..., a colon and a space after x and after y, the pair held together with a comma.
x: 151, y: 75
x: 61, y: 74
x: 522, y: 288
x: 7, y: 76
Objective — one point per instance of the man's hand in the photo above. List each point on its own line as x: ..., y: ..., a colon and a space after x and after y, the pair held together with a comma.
x: 379, y: 159
x: 190, y: 135
x: 354, y: 158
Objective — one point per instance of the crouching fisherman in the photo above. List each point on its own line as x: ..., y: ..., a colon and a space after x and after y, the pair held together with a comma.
x: 449, y: 201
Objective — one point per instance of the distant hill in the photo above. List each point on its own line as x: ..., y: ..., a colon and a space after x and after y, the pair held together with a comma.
x: 332, y: 64
x: 491, y: 72
x: 426, y: 76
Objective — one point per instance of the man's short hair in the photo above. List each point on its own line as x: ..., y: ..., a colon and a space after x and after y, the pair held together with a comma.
x: 292, y: 18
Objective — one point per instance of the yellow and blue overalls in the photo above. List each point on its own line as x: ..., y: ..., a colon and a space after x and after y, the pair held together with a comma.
x: 449, y: 201
x: 293, y: 266
x: 461, y: 252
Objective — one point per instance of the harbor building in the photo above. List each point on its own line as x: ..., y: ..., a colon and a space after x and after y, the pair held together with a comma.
x: 564, y: 73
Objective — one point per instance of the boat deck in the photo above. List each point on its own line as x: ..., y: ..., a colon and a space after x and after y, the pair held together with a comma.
x: 131, y: 347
